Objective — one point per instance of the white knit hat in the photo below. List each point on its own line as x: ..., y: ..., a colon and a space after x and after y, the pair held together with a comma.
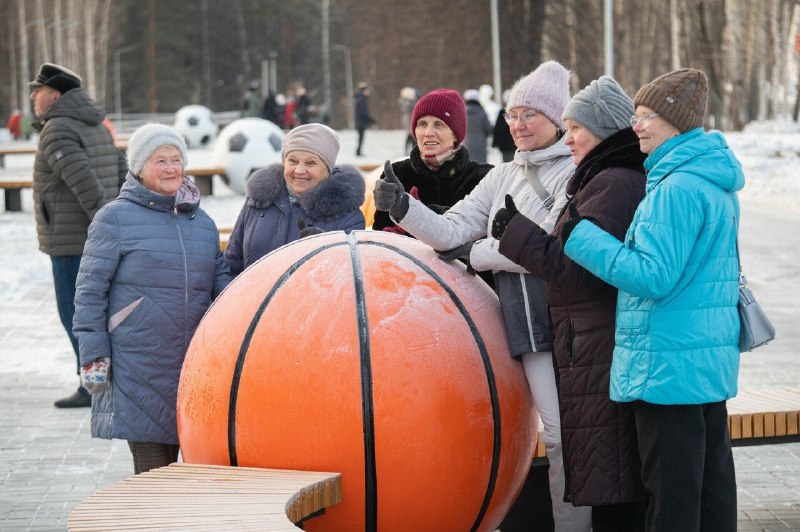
x: 546, y: 90
x: 148, y: 139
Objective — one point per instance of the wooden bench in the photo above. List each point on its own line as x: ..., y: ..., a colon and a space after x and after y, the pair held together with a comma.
x: 203, y: 177
x: 190, y: 496
x: 30, y: 149
x: 13, y: 192
x: 763, y: 417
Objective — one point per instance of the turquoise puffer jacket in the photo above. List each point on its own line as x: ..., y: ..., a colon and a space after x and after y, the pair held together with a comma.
x: 677, y: 327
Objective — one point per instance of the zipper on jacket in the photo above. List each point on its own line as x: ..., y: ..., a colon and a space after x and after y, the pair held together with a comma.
x: 570, y: 360
x: 185, y: 278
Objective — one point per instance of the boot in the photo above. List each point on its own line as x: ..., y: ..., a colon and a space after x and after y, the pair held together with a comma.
x: 79, y: 399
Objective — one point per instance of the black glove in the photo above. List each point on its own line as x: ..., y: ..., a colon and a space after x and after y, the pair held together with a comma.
x: 503, y: 217
x: 461, y: 253
x: 307, y: 230
x: 389, y: 194
x: 574, y: 219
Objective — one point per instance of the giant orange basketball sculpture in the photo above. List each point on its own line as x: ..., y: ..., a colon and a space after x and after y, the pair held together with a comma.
x: 364, y: 354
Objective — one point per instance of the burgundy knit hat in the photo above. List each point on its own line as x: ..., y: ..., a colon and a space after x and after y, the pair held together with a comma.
x: 446, y: 105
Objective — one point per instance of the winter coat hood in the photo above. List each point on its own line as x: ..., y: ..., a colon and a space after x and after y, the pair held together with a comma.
x: 77, y: 104
x: 186, y: 199
x: 620, y: 150
x: 693, y: 152
x: 333, y: 198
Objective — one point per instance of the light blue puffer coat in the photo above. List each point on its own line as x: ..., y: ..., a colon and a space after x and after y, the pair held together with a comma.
x: 151, y: 267
x: 677, y: 326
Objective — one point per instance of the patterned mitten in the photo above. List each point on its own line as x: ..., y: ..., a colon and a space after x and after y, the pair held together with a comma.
x: 95, y: 375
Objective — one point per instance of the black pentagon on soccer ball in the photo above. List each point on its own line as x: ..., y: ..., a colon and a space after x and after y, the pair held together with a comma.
x: 237, y: 143
x: 276, y: 141
x: 193, y: 121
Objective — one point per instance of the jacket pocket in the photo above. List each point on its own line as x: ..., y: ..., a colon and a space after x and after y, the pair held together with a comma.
x: 129, y: 319
x: 120, y: 315
x: 633, y: 321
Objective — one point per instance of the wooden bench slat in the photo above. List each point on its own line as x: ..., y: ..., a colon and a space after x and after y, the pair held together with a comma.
x: 214, y: 496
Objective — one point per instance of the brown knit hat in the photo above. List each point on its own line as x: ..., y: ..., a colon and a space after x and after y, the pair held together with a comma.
x: 679, y: 97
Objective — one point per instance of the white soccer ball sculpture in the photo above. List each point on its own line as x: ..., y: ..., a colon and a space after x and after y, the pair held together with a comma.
x: 246, y: 145
x: 197, y: 125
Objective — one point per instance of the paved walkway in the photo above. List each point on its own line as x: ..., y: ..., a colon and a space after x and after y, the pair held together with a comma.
x: 49, y: 462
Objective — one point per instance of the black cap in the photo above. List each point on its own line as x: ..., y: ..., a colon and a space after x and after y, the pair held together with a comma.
x: 60, y: 78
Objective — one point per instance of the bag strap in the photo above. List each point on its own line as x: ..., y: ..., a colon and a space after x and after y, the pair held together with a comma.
x: 742, y: 278
x: 533, y: 180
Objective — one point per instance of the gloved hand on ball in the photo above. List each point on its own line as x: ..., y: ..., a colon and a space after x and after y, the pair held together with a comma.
x: 307, y: 230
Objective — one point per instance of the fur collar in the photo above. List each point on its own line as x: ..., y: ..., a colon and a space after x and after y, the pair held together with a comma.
x: 339, y: 194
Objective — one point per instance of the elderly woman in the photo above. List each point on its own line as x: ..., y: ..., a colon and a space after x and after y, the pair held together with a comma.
x: 536, y: 180
x: 606, y: 187
x: 676, y: 354
x: 151, y: 267
x: 439, y: 170
x: 304, y: 195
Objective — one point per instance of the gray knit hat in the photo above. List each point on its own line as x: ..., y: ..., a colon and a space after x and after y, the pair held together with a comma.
x: 546, y: 89
x: 318, y: 139
x: 148, y: 139
x: 679, y: 97
x: 602, y: 107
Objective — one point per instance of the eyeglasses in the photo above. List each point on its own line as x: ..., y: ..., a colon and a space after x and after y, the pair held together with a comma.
x: 642, y: 119
x: 525, y: 117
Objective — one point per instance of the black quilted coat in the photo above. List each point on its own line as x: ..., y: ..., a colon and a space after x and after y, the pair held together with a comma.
x: 599, y: 435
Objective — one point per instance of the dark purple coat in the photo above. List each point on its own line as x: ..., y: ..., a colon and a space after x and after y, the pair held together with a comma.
x: 598, y: 435
x: 268, y: 219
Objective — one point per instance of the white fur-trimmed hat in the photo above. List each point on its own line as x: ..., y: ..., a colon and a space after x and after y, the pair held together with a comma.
x: 148, y: 139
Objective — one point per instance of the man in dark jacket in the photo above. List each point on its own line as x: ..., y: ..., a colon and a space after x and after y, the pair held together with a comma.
x: 77, y: 170
x: 362, y: 117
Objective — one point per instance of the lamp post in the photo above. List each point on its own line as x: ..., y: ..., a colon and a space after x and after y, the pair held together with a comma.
x: 348, y: 83
x: 117, y: 84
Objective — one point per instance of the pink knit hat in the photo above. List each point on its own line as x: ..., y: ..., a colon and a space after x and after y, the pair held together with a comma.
x: 546, y: 90
x: 446, y: 105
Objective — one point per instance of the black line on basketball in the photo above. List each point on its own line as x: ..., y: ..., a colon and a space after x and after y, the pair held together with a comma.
x: 248, y: 336
x: 487, y: 365
x: 367, y: 412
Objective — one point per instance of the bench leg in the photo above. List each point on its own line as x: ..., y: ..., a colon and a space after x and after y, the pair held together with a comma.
x: 13, y: 199
x: 205, y: 184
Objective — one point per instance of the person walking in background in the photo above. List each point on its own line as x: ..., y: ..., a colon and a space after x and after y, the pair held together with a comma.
x: 303, y: 196
x: 362, y: 117
x: 271, y: 111
x: 536, y: 180
x: 151, y: 267
x: 14, y: 124
x: 478, y: 127
x: 251, y: 101
x: 439, y: 171
x: 408, y: 99
x: 77, y: 169
x: 676, y: 355
x: 606, y: 187
x: 501, y: 136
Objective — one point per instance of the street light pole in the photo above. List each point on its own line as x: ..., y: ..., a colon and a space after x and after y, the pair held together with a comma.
x: 495, y: 22
x: 117, y: 84
x: 348, y: 83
